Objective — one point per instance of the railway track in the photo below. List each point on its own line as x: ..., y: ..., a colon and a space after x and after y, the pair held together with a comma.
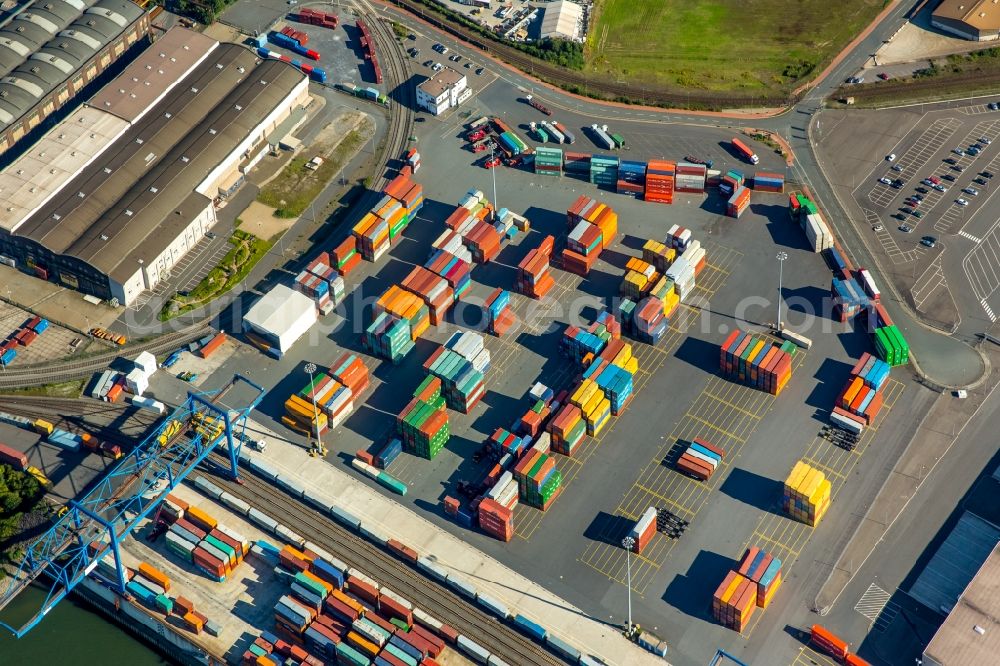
x: 438, y: 600
x: 57, y: 371
x: 412, y: 584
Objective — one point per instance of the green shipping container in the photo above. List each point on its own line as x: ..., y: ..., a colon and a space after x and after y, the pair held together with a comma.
x: 310, y: 584
x: 225, y: 548
x: 399, y: 654
x: 392, y: 483
x: 348, y: 655
x: 399, y: 623
x: 164, y: 603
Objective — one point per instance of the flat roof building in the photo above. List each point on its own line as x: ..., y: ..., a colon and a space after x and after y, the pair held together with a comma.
x: 445, y: 89
x: 978, y: 20
x: 279, y: 318
x: 52, y: 49
x: 970, y: 635
x: 137, y: 195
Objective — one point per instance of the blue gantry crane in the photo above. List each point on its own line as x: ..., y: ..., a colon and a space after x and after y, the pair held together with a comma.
x: 97, y: 523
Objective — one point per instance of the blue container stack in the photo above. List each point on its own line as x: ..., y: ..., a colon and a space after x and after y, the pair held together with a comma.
x: 64, y: 440
x: 617, y: 385
x: 875, y: 373
x: 604, y: 170
x: 837, y: 263
x: 41, y: 326
x: 578, y: 342
x: 389, y: 453
x: 849, y: 298
x: 632, y: 172
x: 389, y: 337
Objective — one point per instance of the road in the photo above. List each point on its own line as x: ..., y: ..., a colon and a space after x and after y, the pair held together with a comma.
x: 942, y: 359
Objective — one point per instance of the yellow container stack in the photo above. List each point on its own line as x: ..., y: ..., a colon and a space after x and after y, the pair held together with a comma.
x: 595, y: 407
x: 658, y: 254
x: 806, y: 495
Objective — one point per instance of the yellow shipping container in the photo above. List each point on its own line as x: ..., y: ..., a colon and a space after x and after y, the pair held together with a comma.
x: 591, y: 406
x: 583, y: 393
x: 200, y: 517
x: 728, y: 593
x: 632, y: 365
x: 795, y: 476
x: 623, y: 356
x: 670, y: 303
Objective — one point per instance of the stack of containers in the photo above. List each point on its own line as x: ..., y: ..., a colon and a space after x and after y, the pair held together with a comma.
x: 712, y: 178
x: 508, y: 139
x: 604, y: 171
x: 389, y: 337
x: 738, y: 202
x: 700, y: 459
x: 631, y: 177
x: 769, y: 182
x: 891, y: 346
x: 433, y: 289
x: 756, y: 361
x: 345, y: 258
x: 794, y: 205
x: 682, y: 274
x: 483, y: 241
x: 580, y: 344
x: 548, y: 161
x: 678, y: 237
x: 578, y: 163
x: 503, y: 441
x: 660, y: 176
x: 504, y: 491
x: 372, y: 234
x: 301, y: 416
x: 464, y: 386
x: 732, y: 181
x: 567, y: 429
x: 594, y: 406
x: 849, y: 299
x: 583, y: 247
x: 394, y: 213
x: 456, y: 271
x: 472, y: 348
x: 647, y: 319
x: 323, y: 268
x: 806, y: 494
x: 658, y: 254
x: 317, y: 289
x: 817, y: 232
x: 696, y: 256
x: 862, y: 394
x: 450, y: 241
x: 500, y: 316
x: 690, y: 177
x: 533, y: 276
x: 639, y: 277
x: 332, y: 399
x: 763, y: 569
x: 423, y: 424
x: 643, y: 530
x: 613, y: 379
x: 537, y: 478
x: 496, y: 519
x: 735, y: 601
x: 406, y: 306
x: 412, y: 158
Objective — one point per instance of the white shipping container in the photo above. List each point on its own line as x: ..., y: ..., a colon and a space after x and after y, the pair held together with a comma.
x: 847, y: 424
x: 692, y: 246
x: 136, y: 381
x: 708, y: 460
x: 869, y: 284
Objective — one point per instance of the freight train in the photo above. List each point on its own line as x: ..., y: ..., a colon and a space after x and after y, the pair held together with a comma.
x: 284, y: 41
x: 315, y: 73
x: 368, y: 48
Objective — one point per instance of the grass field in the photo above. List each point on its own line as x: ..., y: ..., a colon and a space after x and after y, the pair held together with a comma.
x: 750, y: 46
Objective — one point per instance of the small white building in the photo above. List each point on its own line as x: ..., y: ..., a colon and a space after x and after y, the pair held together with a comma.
x: 442, y: 91
x: 280, y: 318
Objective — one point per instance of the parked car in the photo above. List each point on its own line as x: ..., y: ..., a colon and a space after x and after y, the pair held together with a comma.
x: 905, y: 228
x: 877, y: 227
x: 993, y: 106
x: 479, y: 71
x: 979, y: 181
x: 929, y: 241
x: 961, y: 202
x: 896, y: 167
x: 885, y: 181
x: 437, y: 67
x: 899, y: 216
x: 950, y: 160
x: 949, y: 177
x: 891, y: 157
x: 883, y: 76
x: 958, y: 167
x: 941, y: 188
x: 971, y: 191
x: 428, y: 63
x: 958, y: 151
x: 918, y: 214
x: 984, y: 140
x: 987, y: 174
x: 923, y: 190
x: 934, y: 180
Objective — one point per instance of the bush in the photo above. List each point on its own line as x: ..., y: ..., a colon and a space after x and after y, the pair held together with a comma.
x: 19, y: 493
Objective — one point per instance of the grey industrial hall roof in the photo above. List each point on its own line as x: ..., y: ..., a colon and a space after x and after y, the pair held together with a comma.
x: 40, y: 21
x: 44, y: 67
x: 124, y: 206
x: 156, y: 69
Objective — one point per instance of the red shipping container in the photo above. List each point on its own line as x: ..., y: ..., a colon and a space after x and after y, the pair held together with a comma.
x: 207, y: 561
x: 362, y: 590
x: 229, y: 541
x: 874, y: 407
x: 388, y: 658
x: 414, y: 640
x: 391, y: 608
x: 828, y: 642
x: 339, y: 609
x: 291, y: 562
x: 435, y: 643
x: 191, y: 527
x: 402, y: 550
x: 449, y: 633
x: 695, y: 467
x: 711, y: 447
x: 855, y: 660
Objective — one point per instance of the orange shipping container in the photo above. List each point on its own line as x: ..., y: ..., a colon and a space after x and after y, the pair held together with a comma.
x: 212, y: 345
x: 201, y: 519
x: 150, y: 572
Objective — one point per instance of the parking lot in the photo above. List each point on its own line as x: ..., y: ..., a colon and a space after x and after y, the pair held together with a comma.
x: 937, y: 252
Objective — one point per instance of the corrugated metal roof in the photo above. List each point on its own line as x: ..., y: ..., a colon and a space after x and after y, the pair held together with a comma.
x: 955, y: 563
x: 979, y: 14
x: 35, y: 25
x: 129, y: 205
x: 970, y: 635
x: 157, y: 68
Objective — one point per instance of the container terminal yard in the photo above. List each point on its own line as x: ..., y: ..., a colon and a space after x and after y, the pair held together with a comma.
x: 559, y: 389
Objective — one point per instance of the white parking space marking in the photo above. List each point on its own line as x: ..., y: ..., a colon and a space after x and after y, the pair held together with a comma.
x: 957, y: 216
x: 965, y: 234
x: 888, y: 243
x: 989, y: 311
x: 930, y: 141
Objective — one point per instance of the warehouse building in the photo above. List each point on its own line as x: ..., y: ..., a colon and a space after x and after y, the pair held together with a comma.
x: 977, y: 20
x: 562, y: 20
x: 970, y: 635
x: 111, y: 198
x: 52, y: 49
x: 442, y: 91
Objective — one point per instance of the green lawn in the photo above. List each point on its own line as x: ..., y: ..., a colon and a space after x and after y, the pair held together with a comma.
x: 748, y: 46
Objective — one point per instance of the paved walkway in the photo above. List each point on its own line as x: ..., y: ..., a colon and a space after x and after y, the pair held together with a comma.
x: 940, y: 428
x: 497, y: 580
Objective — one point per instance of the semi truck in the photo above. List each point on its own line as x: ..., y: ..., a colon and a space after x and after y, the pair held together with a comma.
x: 745, y: 151
x: 535, y: 103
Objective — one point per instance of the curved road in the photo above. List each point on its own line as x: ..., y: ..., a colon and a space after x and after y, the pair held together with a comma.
x: 942, y: 359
